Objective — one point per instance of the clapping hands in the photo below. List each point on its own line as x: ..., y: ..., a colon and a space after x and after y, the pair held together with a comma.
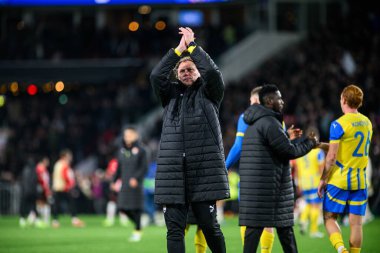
x: 186, y: 39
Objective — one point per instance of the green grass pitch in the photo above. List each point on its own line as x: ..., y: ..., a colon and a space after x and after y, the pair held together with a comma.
x: 95, y: 238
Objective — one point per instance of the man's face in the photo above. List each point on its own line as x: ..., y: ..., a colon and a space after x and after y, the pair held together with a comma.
x: 187, y: 73
x: 278, y: 103
x: 130, y: 136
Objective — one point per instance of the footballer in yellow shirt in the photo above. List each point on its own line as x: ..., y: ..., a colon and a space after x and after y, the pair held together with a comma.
x: 343, y: 182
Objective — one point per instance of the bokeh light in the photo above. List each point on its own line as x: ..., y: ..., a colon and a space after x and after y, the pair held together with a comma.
x: 32, y: 89
x: 160, y: 25
x: 63, y: 99
x: 144, y: 9
x: 14, y: 87
x: 133, y: 26
x: 59, y: 86
x: 2, y: 100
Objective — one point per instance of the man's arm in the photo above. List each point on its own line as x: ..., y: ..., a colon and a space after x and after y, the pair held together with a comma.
x: 330, y: 161
x: 214, y: 85
x: 282, y: 145
x: 160, y: 76
x: 235, y: 151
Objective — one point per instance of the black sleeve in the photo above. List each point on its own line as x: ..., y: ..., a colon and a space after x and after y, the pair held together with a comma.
x: 160, y: 76
x: 141, y: 166
x: 214, y: 84
x: 281, y: 144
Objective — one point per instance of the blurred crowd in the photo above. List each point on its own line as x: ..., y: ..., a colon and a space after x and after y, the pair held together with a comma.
x: 59, y: 37
x: 310, y: 75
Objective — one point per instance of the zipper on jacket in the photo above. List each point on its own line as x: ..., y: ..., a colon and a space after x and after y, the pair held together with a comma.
x: 183, y: 146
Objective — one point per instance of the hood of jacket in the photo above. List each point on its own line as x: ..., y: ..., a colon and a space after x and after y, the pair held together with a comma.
x: 257, y: 111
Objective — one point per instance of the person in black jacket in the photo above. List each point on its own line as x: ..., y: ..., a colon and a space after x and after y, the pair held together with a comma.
x: 132, y: 167
x: 190, y: 162
x: 266, y: 190
x: 29, y: 183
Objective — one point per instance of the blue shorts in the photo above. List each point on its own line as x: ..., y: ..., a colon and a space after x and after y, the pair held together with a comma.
x: 311, y: 196
x: 337, y: 200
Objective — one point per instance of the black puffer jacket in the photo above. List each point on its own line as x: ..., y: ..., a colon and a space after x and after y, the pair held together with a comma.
x: 190, y: 162
x: 132, y: 163
x: 266, y: 191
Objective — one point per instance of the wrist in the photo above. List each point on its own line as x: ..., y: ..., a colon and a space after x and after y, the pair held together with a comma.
x: 179, y: 50
x: 192, y: 45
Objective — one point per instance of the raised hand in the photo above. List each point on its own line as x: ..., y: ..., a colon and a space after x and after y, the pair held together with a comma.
x: 182, y: 45
x: 188, y: 34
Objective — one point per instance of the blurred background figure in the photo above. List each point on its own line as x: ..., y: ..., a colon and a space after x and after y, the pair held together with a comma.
x: 63, y: 185
x: 45, y: 196
x: 132, y: 167
x: 308, y: 171
x: 28, y: 194
x: 111, y: 190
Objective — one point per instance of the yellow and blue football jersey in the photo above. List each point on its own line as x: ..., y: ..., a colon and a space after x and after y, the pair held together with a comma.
x: 308, y: 169
x: 353, y: 132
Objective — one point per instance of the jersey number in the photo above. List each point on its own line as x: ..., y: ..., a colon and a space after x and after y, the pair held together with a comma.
x: 361, y: 137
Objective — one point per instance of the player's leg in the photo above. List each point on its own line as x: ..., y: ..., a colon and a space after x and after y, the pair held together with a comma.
x: 75, y: 221
x: 242, y: 233
x: 266, y: 240
x: 200, y: 241
x: 356, y: 235
x: 304, y: 218
x: 175, y: 219
x: 334, y: 203
x: 287, y: 239
x: 135, y: 216
x: 315, y: 214
x: 357, y: 205
x: 205, y: 212
x: 252, y: 239
x: 56, y: 209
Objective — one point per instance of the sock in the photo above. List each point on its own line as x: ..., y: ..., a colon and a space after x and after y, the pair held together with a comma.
x: 337, y: 242
x: 314, y: 216
x: 111, y: 210
x: 46, y: 214
x: 123, y: 218
x: 266, y: 241
x: 305, y: 214
x: 355, y: 250
x: 242, y: 233
x: 200, y: 242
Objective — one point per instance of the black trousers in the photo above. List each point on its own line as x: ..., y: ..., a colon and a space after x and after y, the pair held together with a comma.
x: 205, y: 212
x: 285, y: 234
x: 62, y: 200
x: 135, y: 216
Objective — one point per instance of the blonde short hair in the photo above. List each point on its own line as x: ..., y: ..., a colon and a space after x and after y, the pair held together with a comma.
x: 353, y: 95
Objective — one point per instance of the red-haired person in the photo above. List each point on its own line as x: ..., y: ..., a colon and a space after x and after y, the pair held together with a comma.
x: 343, y: 182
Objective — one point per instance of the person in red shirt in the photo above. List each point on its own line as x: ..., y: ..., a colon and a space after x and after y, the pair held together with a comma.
x: 114, y: 188
x: 63, y: 184
x: 45, y: 195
